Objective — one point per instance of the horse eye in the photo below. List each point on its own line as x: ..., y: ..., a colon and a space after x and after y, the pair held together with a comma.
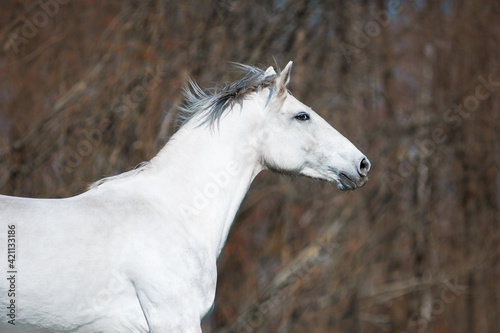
x: 302, y: 116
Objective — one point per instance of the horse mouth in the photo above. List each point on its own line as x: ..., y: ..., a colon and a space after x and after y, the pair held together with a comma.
x: 346, y: 183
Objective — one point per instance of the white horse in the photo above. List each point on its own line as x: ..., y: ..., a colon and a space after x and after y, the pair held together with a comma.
x: 137, y: 252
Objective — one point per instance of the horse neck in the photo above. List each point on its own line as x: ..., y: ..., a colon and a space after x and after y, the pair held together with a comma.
x: 206, y: 173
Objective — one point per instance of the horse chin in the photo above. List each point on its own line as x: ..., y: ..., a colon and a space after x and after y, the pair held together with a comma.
x: 345, y: 186
x: 341, y: 179
x: 346, y: 183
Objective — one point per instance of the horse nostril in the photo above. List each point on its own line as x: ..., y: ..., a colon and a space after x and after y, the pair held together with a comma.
x: 364, y: 167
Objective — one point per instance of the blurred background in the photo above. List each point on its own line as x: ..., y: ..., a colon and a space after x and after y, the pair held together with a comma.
x: 90, y: 89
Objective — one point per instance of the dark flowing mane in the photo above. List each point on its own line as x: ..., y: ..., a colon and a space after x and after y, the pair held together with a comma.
x: 214, y: 102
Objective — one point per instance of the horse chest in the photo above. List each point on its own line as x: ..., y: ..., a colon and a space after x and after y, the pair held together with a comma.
x: 176, y: 266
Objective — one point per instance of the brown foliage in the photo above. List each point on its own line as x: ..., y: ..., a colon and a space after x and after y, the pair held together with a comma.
x: 92, y: 91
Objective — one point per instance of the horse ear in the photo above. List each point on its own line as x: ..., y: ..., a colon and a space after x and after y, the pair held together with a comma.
x: 270, y: 71
x: 284, y: 78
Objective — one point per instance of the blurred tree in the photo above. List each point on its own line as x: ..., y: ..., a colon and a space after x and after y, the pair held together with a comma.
x: 91, y: 89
